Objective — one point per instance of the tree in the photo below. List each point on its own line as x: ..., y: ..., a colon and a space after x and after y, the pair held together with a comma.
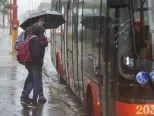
x: 2, y: 2
x: 2, y: 9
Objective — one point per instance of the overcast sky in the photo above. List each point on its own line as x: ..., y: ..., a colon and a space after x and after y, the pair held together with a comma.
x: 24, y: 5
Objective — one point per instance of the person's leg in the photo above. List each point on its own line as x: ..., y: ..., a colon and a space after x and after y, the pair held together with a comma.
x: 25, y: 99
x: 28, y: 90
x: 41, y: 95
x: 26, y: 83
x: 36, y: 84
x: 40, y: 81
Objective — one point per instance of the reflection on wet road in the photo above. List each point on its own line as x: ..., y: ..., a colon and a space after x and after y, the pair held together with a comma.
x: 60, y: 100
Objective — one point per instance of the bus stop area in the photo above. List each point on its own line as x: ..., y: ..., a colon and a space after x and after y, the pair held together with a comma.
x: 60, y: 99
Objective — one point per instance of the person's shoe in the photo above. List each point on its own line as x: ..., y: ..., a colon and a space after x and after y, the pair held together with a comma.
x: 42, y: 99
x: 30, y: 99
x: 22, y: 95
x: 25, y: 101
x: 34, y: 104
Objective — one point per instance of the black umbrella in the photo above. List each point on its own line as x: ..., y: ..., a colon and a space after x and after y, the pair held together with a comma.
x: 52, y: 19
x: 92, y: 20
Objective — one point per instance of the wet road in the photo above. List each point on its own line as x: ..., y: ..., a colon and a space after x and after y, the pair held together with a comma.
x: 60, y: 100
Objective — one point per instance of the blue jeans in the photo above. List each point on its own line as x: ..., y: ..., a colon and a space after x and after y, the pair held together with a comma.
x: 29, y: 79
x: 35, y: 77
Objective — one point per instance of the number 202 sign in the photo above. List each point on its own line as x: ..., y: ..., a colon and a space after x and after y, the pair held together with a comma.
x: 145, y: 110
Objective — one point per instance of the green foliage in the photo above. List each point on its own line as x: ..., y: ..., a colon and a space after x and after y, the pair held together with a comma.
x: 4, y: 11
x: 2, y: 2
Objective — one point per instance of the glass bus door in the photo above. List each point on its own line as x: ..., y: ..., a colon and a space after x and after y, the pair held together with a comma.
x: 75, y: 47
x: 64, y: 42
x: 70, y: 47
x: 108, y: 66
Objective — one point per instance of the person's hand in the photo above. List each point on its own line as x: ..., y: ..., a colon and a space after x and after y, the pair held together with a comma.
x: 49, y: 39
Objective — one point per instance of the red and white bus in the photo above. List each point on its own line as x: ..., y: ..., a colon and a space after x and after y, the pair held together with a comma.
x: 104, y: 52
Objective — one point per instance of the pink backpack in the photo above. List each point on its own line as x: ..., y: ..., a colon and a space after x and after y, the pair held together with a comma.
x: 23, y: 53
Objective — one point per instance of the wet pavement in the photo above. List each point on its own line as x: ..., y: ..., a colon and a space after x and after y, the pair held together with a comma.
x: 60, y: 99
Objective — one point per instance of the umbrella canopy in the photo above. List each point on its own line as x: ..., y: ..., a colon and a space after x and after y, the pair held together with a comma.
x: 52, y: 19
x: 92, y: 20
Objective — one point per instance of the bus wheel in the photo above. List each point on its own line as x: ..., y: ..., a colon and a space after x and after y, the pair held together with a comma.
x: 60, y: 79
x: 90, y: 105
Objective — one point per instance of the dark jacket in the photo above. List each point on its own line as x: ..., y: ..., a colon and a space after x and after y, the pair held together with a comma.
x: 43, y: 40
x: 44, y: 43
x: 35, y: 51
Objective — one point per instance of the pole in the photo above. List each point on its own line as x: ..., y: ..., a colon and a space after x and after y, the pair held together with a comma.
x: 15, y: 24
x: 32, y: 6
x: 3, y: 20
x: 10, y: 15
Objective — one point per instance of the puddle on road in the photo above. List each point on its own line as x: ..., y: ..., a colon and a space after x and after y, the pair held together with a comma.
x: 62, y: 95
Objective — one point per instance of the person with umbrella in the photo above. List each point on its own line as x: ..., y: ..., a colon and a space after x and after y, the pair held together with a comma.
x: 44, y: 43
x: 35, y: 66
x: 50, y: 20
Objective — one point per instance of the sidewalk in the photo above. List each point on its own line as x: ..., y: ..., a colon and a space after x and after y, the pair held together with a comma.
x: 60, y: 102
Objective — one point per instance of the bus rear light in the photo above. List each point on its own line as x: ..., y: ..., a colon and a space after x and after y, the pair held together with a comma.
x: 98, y: 103
x: 97, y: 74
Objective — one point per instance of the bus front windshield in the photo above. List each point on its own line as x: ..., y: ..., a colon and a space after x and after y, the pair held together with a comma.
x: 138, y: 54
x: 144, y: 26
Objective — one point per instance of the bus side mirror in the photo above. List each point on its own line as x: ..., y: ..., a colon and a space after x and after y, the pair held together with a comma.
x: 117, y: 3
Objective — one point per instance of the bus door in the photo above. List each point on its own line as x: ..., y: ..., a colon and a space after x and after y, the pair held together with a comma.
x: 64, y: 30
x: 80, y: 49
x: 91, y: 54
x: 70, y: 46
x: 107, y: 61
x: 124, y: 59
x: 117, y: 82
x: 75, y: 47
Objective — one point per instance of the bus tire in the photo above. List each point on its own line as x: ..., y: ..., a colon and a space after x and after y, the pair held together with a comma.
x: 60, y: 79
x: 90, y: 105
